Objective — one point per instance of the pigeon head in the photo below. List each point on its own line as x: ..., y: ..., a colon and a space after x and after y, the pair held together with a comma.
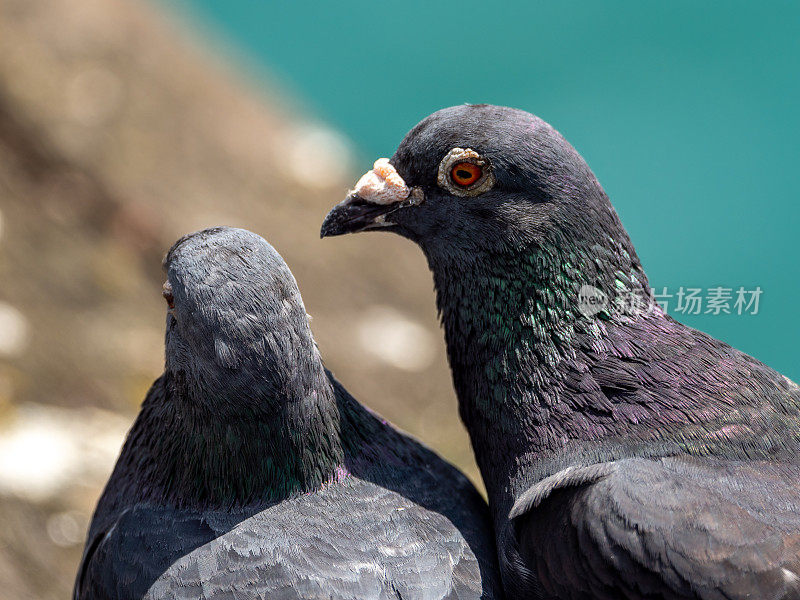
x: 236, y: 324
x: 478, y: 178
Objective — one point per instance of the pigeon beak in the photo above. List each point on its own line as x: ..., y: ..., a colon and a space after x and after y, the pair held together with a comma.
x: 377, y: 194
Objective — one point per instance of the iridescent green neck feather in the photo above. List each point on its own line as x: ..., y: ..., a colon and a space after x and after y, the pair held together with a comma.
x: 511, y: 320
x: 272, y: 450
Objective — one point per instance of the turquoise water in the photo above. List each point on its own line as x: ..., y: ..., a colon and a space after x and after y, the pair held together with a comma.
x: 686, y: 111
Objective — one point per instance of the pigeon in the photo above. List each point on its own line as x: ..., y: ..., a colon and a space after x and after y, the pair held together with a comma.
x: 625, y: 455
x: 250, y: 472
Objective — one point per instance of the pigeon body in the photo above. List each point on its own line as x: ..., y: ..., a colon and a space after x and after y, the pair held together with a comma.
x: 626, y: 456
x: 250, y: 472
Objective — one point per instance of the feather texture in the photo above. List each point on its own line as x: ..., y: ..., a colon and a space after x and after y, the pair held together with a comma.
x: 250, y: 472
x: 625, y: 455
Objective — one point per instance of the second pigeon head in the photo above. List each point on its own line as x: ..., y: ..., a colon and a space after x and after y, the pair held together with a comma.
x: 235, y: 318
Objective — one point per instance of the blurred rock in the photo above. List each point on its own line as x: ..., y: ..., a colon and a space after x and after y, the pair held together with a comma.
x: 32, y: 566
x: 13, y: 331
x: 117, y: 136
x: 46, y: 451
x: 318, y: 157
x: 395, y: 339
x: 67, y: 528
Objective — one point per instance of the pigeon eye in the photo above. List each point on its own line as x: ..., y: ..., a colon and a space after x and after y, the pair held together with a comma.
x: 465, y: 173
x: 166, y: 291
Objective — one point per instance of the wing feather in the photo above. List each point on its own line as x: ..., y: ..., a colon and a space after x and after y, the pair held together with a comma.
x: 676, y: 527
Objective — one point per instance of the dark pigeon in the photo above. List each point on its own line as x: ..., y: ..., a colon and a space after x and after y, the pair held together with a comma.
x: 626, y: 456
x: 250, y: 472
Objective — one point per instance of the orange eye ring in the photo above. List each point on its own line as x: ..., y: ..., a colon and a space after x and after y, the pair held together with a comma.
x: 465, y: 174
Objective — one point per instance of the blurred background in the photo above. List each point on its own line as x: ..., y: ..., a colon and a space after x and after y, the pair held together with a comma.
x: 125, y: 124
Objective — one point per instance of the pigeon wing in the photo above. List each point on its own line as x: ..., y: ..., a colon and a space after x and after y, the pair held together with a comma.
x: 351, y: 541
x: 676, y: 527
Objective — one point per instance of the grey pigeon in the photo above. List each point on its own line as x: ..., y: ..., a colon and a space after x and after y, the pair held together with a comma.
x: 626, y: 456
x: 250, y: 472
